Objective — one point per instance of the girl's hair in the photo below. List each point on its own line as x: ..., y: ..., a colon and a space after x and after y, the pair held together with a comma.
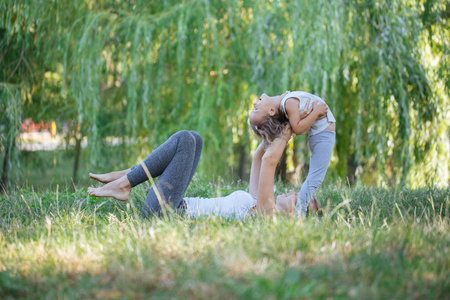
x: 271, y: 127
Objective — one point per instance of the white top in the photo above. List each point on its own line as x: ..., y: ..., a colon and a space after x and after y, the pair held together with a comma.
x: 236, y: 205
x: 319, y: 125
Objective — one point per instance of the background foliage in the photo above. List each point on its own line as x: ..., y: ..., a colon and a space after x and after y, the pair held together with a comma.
x: 131, y: 73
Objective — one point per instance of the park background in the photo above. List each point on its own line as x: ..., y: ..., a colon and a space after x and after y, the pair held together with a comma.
x: 117, y: 78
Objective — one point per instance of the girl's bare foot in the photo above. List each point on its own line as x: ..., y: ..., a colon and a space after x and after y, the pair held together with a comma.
x: 314, y: 207
x: 109, y: 177
x: 119, y: 189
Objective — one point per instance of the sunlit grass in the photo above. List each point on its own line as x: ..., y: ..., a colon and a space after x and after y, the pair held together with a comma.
x: 370, y: 243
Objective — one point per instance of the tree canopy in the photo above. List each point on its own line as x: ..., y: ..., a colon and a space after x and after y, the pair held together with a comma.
x: 140, y: 70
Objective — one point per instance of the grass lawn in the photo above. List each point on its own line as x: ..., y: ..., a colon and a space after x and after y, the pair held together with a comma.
x: 370, y: 244
x: 45, y: 169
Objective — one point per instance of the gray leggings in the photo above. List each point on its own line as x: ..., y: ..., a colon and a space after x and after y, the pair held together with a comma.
x: 321, y: 147
x: 174, y: 162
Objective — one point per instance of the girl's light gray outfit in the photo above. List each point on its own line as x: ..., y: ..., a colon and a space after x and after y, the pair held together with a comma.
x: 319, y: 125
x: 320, y: 144
x: 174, y: 162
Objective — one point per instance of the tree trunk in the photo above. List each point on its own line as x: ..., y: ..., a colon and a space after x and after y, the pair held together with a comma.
x: 243, y: 163
x: 295, y: 177
x: 9, y: 149
x: 351, y: 169
x: 77, y: 158
x: 280, y: 171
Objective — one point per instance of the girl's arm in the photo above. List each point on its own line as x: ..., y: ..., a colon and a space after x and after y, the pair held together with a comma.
x: 256, y: 168
x: 299, y: 125
x: 265, y: 198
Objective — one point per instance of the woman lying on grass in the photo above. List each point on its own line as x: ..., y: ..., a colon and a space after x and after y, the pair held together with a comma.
x: 175, y: 162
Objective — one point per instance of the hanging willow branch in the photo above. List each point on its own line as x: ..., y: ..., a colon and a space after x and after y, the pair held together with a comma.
x: 144, y: 69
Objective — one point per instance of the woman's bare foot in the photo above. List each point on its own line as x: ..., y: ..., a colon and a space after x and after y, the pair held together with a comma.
x: 109, y: 177
x: 119, y: 189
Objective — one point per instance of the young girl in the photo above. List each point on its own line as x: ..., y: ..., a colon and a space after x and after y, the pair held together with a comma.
x: 302, y: 114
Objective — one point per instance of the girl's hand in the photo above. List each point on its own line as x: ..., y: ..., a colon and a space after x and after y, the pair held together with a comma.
x: 306, y: 110
x: 321, y: 108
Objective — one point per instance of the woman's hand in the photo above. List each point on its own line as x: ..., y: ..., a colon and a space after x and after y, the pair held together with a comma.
x: 286, y: 203
x: 259, y: 152
x: 275, y: 150
x: 286, y: 133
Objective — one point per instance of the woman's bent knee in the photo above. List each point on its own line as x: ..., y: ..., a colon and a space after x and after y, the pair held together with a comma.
x: 182, y: 133
x: 185, y: 140
x: 198, y: 138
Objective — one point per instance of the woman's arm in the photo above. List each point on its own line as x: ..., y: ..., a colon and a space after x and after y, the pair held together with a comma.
x: 299, y: 125
x: 256, y: 168
x: 265, y: 198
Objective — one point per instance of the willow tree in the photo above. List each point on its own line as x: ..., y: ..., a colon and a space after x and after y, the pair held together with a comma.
x: 140, y: 70
x: 11, y: 69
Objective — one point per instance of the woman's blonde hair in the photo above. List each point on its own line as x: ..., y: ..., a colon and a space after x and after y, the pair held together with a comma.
x: 271, y: 127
